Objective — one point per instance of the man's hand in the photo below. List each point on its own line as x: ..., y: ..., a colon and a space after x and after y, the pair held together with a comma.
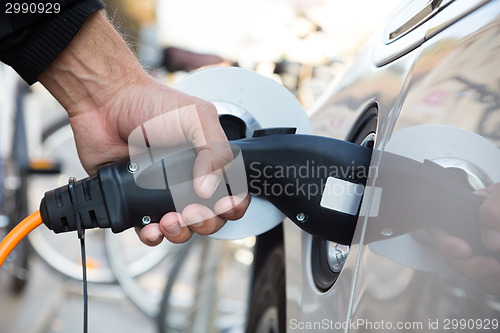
x: 489, y: 216
x: 107, y: 95
x: 483, y: 271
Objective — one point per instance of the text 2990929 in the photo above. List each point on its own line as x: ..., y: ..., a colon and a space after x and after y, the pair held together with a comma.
x: 32, y: 7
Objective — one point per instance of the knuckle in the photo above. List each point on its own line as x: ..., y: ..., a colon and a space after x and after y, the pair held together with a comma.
x: 179, y: 239
x: 203, y: 230
x: 206, y: 110
x: 490, y: 214
x: 208, y: 227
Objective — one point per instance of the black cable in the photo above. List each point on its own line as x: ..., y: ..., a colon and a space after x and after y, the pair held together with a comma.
x: 85, y: 291
x: 81, y: 236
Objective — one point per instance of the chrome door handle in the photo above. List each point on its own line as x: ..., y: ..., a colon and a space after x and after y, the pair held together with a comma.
x: 410, y: 17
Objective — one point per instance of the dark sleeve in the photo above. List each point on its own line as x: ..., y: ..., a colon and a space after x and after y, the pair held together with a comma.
x: 31, y: 42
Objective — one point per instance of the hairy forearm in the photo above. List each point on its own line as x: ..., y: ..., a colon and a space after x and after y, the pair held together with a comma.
x: 92, y: 68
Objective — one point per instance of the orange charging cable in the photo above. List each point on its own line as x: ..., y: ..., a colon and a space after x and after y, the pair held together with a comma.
x: 18, y: 233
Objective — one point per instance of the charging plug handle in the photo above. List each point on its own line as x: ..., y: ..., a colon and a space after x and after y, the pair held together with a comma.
x: 289, y: 170
x: 294, y: 173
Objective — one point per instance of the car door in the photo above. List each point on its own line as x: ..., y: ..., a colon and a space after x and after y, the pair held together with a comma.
x: 406, y: 78
x: 424, y: 265
x: 352, y: 108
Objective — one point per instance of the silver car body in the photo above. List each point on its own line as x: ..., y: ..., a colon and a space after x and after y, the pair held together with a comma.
x: 435, y: 63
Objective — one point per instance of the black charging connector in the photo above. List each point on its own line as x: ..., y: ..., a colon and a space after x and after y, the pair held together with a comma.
x: 299, y: 174
x: 297, y: 165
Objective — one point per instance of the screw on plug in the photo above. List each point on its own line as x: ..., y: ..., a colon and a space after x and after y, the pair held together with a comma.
x: 133, y: 167
x: 146, y: 220
x: 301, y: 217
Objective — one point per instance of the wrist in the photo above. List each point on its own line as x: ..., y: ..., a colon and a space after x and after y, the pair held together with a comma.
x: 93, y: 68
